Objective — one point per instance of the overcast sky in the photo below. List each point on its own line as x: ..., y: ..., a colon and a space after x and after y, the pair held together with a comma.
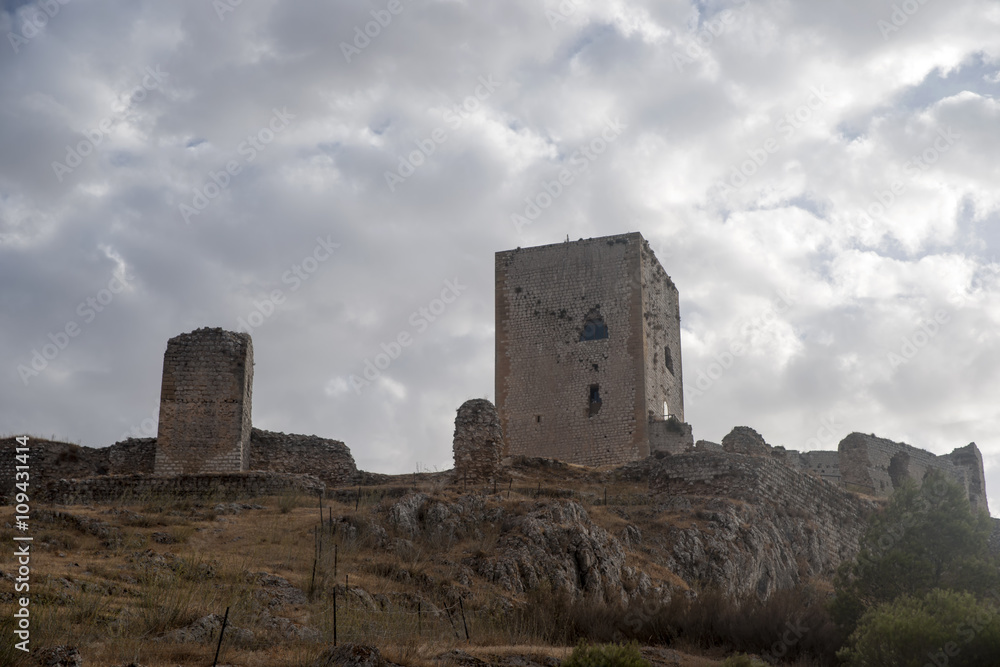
x: 819, y: 179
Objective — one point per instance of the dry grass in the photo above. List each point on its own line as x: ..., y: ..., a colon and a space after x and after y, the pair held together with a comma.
x: 113, y: 596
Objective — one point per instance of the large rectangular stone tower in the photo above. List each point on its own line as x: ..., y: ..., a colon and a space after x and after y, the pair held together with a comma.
x: 205, y: 403
x: 588, y: 349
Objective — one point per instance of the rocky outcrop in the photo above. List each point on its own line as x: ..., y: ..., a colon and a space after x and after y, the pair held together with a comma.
x: 350, y: 655
x: 206, y: 629
x: 553, y: 544
x: 760, y: 526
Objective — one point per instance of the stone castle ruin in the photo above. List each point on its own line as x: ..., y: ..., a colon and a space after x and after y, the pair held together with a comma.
x: 205, y: 440
x: 205, y: 403
x: 588, y: 351
x: 588, y: 371
x: 863, y: 464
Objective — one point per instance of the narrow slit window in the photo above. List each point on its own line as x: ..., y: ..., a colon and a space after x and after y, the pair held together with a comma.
x: 668, y: 359
x: 595, y: 400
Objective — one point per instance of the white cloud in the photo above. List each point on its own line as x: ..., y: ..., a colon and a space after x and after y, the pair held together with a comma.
x: 860, y: 287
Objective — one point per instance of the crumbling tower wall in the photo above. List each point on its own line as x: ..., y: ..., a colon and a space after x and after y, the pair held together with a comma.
x: 587, y: 349
x: 205, y: 399
x: 478, y: 443
x: 877, y: 466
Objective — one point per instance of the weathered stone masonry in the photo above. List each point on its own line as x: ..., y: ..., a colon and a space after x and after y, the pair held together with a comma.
x: 144, y: 487
x: 871, y: 465
x: 325, y: 459
x: 478, y: 441
x: 877, y: 466
x: 63, y: 467
x: 837, y: 517
x: 587, y: 349
x: 205, y: 403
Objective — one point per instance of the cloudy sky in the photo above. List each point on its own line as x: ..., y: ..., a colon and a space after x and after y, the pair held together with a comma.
x: 819, y: 179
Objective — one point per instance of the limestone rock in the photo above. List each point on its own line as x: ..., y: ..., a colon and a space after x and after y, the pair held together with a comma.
x: 206, y: 629
x: 59, y: 656
x: 350, y: 655
x: 288, y: 630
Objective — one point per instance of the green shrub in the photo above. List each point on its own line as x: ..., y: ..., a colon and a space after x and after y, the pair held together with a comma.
x: 742, y: 660
x: 942, y: 627
x: 606, y: 655
x: 927, y: 538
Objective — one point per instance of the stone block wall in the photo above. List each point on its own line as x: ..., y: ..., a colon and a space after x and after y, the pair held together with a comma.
x: 328, y: 460
x: 110, y: 488
x: 45, y: 456
x: 478, y: 443
x: 205, y: 403
x: 708, y: 446
x: 670, y: 435
x: 837, y: 516
x: 134, y: 455
x: 876, y: 466
x: 745, y: 440
x: 563, y: 392
x: 661, y: 321
x: 970, y: 459
x: 825, y: 464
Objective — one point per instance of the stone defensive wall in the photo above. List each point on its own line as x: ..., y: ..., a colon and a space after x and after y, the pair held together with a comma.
x: 838, y: 516
x: 876, y: 466
x: 209, y: 486
x: 50, y: 460
x: 329, y: 461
